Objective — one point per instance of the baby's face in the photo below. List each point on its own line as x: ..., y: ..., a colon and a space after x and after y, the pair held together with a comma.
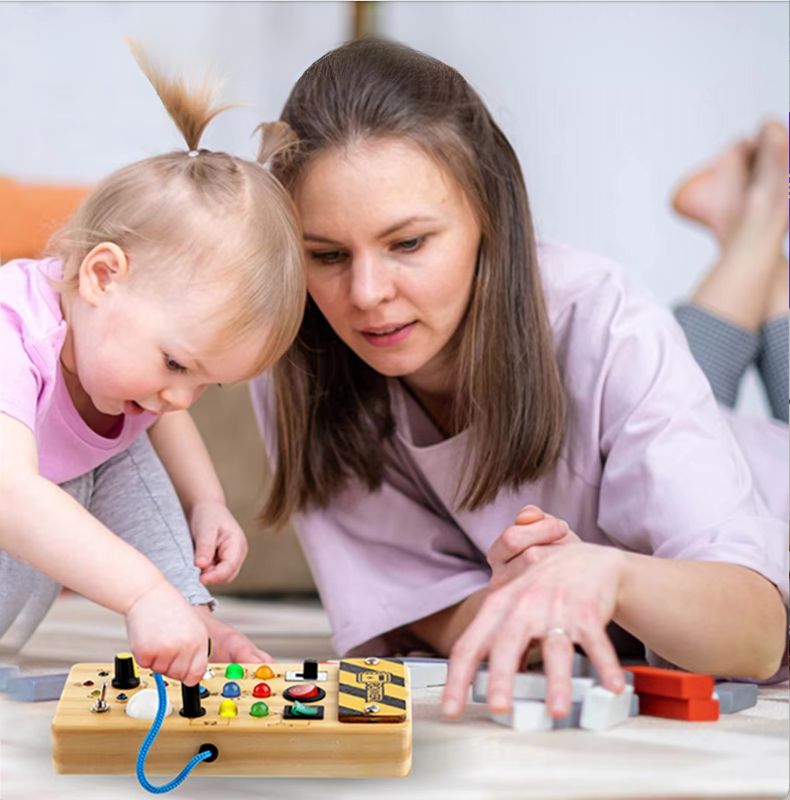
x: 138, y: 351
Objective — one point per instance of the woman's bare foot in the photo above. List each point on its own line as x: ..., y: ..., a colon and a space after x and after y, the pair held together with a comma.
x: 715, y: 195
x: 778, y: 291
x: 741, y: 284
x: 768, y: 185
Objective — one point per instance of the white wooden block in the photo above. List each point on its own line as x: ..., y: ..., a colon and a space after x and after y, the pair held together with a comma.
x: 602, y: 709
x: 426, y: 672
x: 529, y: 686
x: 527, y: 715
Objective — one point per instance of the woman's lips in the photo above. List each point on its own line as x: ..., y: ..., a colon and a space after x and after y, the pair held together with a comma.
x: 387, y: 337
x: 132, y: 408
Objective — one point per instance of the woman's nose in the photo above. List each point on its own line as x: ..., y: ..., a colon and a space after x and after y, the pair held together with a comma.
x: 372, y: 282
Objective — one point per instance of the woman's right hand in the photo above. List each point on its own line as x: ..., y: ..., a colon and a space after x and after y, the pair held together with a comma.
x: 523, y: 543
x: 167, y: 635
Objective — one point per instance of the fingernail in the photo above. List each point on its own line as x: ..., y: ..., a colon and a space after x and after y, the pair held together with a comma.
x: 499, y: 700
x: 450, y: 707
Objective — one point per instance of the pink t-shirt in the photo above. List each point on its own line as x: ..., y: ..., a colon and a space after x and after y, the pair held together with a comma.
x: 32, y: 389
x: 649, y: 464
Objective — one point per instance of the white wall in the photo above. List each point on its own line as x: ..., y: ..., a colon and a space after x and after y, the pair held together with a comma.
x: 607, y: 104
x: 76, y: 106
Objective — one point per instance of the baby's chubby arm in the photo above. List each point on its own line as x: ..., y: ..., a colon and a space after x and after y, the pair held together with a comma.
x: 220, y: 543
x: 43, y: 526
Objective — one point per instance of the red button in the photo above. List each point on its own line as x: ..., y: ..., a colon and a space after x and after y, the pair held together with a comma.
x: 305, y: 691
x: 261, y: 690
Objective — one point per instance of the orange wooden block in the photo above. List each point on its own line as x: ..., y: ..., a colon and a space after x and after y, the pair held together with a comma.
x: 695, y: 709
x: 671, y: 683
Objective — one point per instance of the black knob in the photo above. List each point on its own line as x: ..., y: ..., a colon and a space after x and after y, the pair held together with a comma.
x: 126, y: 676
x: 190, y: 697
x: 310, y: 669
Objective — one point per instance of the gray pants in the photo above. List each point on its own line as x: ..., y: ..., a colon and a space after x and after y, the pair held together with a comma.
x: 725, y: 351
x: 132, y: 495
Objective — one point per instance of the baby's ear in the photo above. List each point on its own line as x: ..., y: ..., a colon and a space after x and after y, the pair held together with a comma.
x: 103, y: 267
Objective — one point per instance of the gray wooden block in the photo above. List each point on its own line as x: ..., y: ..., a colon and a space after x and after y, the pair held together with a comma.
x: 633, y: 711
x: 7, y: 671
x: 528, y: 686
x: 572, y: 720
x: 33, y: 688
x: 735, y: 696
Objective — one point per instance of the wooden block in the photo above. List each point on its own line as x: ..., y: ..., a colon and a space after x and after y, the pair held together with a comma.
x: 270, y: 745
x: 34, y: 688
x: 7, y: 672
x: 694, y: 709
x: 735, y: 696
x: 569, y: 721
x: 529, y: 686
x: 527, y: 715
x: 426, y: 672
x: 602, y: 709
x: 671, y: 683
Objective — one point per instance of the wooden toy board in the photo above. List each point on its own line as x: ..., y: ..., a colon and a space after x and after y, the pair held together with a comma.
x: 108, y: 743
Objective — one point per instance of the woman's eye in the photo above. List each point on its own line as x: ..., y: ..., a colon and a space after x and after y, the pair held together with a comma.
x: 410, y: 245
x: 173, y: 365
x: 328, y: 257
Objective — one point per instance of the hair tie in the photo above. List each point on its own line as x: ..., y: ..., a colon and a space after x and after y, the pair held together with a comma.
x: 193, y: 153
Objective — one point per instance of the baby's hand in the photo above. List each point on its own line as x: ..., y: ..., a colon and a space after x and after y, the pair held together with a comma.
x: 220, y: 543
x: 228, y: 644
x: 166, y: 635
x: 526, y: 542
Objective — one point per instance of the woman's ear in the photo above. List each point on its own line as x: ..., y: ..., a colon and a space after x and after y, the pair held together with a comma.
x: 105, y: 266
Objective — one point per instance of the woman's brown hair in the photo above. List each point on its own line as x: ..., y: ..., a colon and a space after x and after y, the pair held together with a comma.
x: 333, y: 413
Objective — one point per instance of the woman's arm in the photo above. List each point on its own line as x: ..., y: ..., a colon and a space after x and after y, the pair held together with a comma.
x: 708, y: 617
x: 441, y: 629
x: 715, y: 618
x: 179, y: 445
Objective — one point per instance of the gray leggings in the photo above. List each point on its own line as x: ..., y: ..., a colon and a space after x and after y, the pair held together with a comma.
x: 133, y: 496
x: 725, y: 351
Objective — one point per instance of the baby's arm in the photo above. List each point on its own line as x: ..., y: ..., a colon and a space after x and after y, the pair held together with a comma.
x: 220, y: 544
x: 43, y: 526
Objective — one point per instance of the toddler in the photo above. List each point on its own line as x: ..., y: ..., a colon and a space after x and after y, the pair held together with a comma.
x: 176, y: 272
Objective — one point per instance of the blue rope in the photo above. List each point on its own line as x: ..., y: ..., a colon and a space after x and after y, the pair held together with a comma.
x: 149, y: 740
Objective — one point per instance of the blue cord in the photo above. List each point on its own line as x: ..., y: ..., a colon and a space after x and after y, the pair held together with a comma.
x: 149, y: 740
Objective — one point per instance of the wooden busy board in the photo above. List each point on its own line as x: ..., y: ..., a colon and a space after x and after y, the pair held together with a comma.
x: 375, y: 740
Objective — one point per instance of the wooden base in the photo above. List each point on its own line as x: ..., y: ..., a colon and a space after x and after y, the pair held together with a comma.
x: 107, y: 743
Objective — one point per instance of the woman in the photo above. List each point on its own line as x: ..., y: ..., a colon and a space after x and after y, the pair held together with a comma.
x: 452, y: 376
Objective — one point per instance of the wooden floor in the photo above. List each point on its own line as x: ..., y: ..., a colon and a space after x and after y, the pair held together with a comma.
x: 742, y: 755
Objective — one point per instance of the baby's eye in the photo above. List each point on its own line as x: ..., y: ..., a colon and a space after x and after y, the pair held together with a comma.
x: 173, y: 365
x: 410, y: 245
x: 328, y: 256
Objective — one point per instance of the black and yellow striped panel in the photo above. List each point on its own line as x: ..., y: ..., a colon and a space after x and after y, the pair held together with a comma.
x: 371, y: 690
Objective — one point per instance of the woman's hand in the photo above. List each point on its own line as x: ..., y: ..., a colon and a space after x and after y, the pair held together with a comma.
x: 220, y: 543
x: 524, y: 543
x: 566, y: 597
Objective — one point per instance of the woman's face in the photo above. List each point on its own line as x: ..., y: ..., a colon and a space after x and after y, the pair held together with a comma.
x: 391, y: 244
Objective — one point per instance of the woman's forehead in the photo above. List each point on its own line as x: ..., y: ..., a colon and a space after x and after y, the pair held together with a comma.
x: 386, y: 180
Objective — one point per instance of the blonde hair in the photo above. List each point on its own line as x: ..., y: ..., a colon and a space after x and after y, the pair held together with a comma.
x: 203, y: 218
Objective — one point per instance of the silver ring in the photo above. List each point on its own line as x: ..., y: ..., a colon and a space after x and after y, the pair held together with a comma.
x: 556, y: 631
